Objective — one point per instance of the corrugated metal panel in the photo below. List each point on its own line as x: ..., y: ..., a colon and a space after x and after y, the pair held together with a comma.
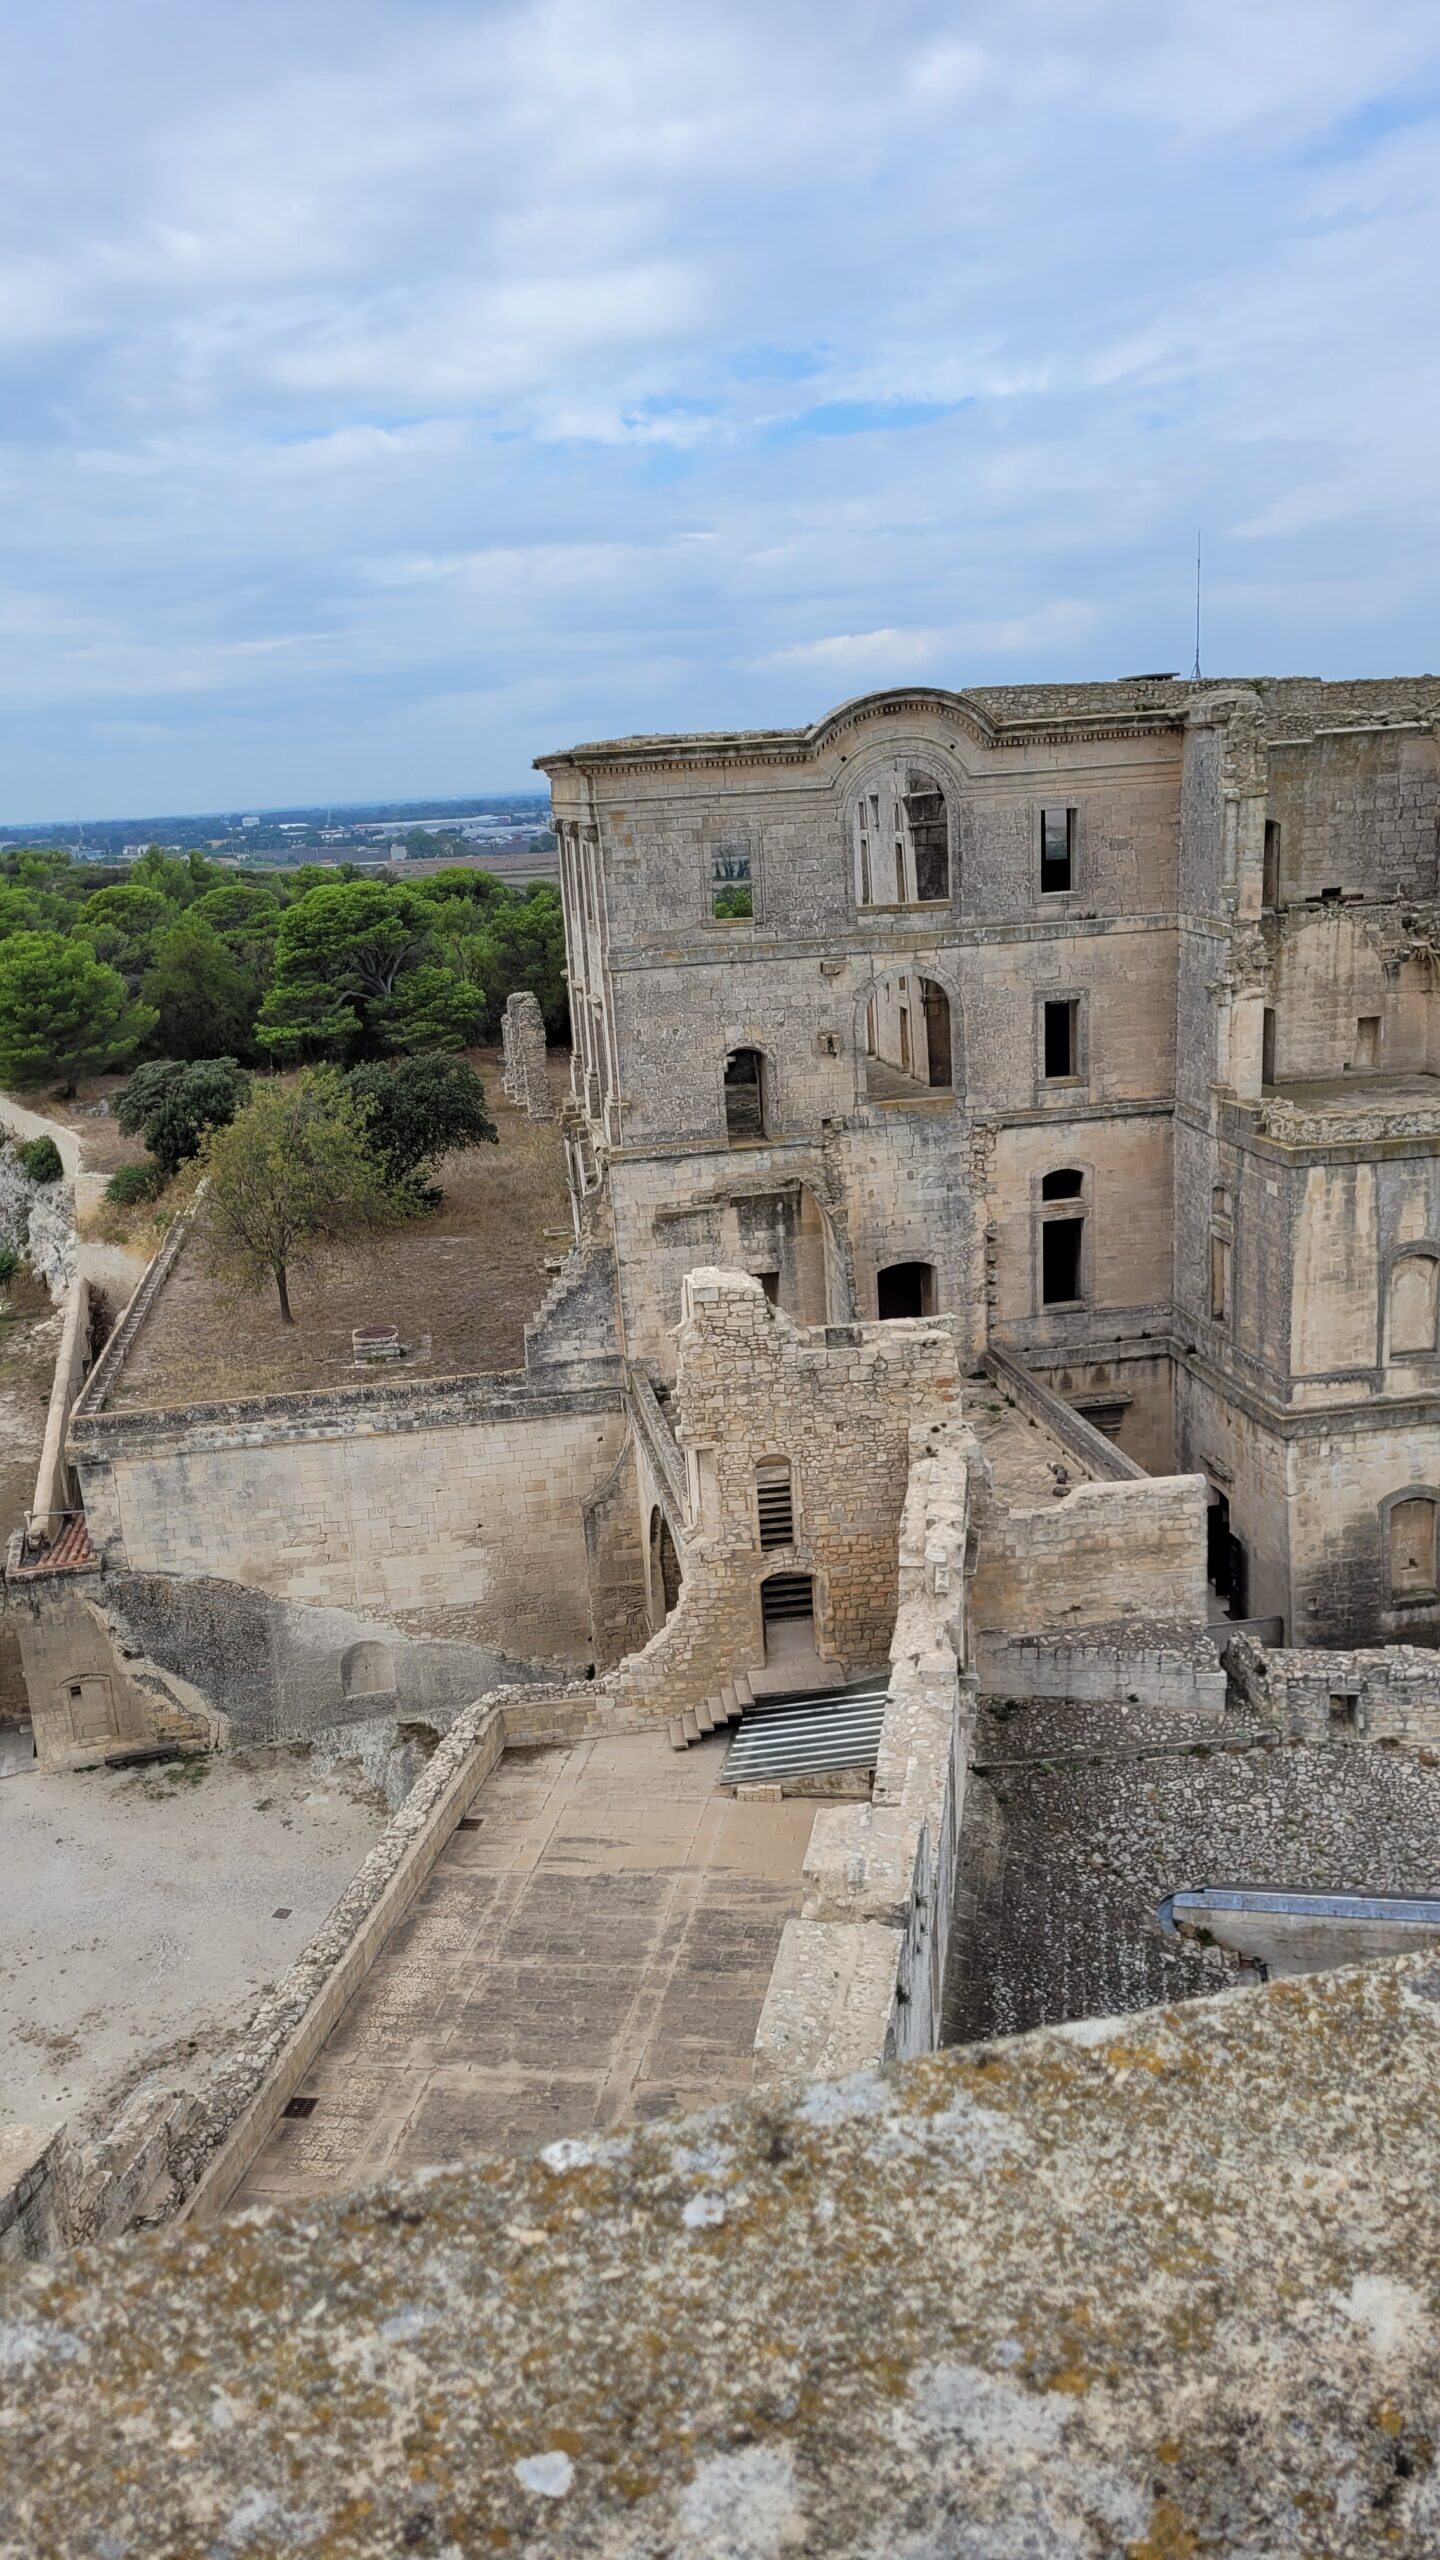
x: 793, y: 1737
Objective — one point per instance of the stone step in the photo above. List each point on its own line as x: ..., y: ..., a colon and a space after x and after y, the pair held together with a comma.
x: 729, y: 1705
x: 678, y: 1735
x: 743, y: 1691
x: 691, y: 1728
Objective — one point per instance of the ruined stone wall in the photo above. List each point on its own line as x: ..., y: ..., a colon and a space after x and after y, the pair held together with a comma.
x: 838, y: 1404
x: 1357, y: 811
x: 1388, y: 1693
x: 859, y: 1976
x: 1103, y: 1553
x: 89, y: 1698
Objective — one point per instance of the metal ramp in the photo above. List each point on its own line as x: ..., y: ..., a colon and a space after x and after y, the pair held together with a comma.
x: 807, y: 1735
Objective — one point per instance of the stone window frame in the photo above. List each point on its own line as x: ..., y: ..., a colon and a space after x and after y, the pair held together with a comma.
x: 741, y: 838
x: 860, y: 785
x: 1076, y: 1086
x: 1427, y: 1598
x: 920, y: 965
x: 1221, y: 1233
x: 1416, y: 1249
x: 1042, y: 1213
x: 772, y: 1087
x: 1059, y: 901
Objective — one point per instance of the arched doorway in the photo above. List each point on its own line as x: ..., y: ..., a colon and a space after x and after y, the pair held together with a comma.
x: 905, y: 1289
x: 909, y: 1051
x: 744, y: 1096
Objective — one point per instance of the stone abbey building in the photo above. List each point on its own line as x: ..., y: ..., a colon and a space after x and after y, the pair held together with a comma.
x: 1102, y: 1019
x: 996, y: 1361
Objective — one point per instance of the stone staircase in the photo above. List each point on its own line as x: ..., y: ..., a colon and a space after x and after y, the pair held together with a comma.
x: 727, y: 1706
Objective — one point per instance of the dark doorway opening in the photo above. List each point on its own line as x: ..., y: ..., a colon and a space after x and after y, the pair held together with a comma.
x: 1227, y: 1566
x: 905, y: 1289
x: 937, y: 1033
x: 665, y: 1574
x: 787, y: 1615
x: 744, y: 1096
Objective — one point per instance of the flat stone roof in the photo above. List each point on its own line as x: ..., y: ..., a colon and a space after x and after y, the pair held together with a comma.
x: 1158, y: 2286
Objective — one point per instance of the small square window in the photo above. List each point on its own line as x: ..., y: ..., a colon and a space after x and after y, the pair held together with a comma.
x: 1057, y: 849
x: 1344, y: 1712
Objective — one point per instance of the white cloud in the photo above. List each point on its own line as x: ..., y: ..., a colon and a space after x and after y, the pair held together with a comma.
x: 383, y: 380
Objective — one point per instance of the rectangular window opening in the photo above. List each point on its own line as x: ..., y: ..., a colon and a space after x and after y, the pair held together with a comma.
x: 732, y: 894
x: 1367, y: 1040
x: 1219, y: 1278
x: 1057, y: 849
x: 1061, y: 1044
x: 1060, y: 1243
x: 770, y: 1283
x: 1344, y: 1711
x: 1267, y: 1045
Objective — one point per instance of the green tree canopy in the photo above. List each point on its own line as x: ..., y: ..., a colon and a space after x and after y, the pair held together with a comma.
x: 120, y: 926
x: 63, y: 1014
x: 420, y: 1109
x: 354, y: 975
x: 171, y: 1105
x: 524, y: 947
x: 203, y: 998
x: 293, y: 1176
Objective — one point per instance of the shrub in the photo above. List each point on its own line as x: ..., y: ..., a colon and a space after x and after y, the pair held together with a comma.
x: 172, y: 1105
x: 135, y: 1182
x: 9, y: 1264
x: 41, y: 1159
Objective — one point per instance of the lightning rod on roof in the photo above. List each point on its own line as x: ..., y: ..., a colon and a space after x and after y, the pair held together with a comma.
x: 1195, y: 672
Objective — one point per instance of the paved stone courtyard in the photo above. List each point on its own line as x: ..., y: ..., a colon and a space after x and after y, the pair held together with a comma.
x: 597, y: 1949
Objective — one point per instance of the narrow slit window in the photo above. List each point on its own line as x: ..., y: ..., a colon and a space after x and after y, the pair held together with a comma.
x: 1057, y: 849
x: 775, y: 1505
x: 1060, y: 1040
x: 1270, y: 884
x: 1219, y: 1278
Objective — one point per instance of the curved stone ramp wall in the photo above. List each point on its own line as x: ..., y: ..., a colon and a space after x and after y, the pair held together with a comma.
x: 1158, y: 2285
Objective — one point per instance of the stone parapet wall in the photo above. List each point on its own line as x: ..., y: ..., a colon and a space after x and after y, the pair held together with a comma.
x: 859, y: 1976
x: 996, y: 2314
x: 1378, y: 1693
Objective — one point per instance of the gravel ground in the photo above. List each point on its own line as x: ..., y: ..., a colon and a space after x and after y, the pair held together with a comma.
x: 142, y: 1911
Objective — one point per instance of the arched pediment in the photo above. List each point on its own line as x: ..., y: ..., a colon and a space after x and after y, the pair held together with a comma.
x: 899, y: 701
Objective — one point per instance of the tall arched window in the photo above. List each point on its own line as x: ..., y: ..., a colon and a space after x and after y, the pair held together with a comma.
x: 902, y: 839
x: 1414, y: 1303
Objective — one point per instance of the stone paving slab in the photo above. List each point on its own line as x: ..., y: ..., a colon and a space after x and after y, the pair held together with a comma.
x: 595, y: 1950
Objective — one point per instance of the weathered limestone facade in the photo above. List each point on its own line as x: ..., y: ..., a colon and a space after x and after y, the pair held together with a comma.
x: 1103, y: 1020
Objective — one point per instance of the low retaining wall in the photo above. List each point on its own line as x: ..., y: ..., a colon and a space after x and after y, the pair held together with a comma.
x: 1381, y: 1693
x: 1145, y: 1666
x: 181, y: 2153
x: 859, y: 1976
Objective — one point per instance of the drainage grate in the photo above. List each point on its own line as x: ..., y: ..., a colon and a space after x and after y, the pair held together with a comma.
x: 285, y: 1912
x: 301, y: 2107
x: 471, y: 1822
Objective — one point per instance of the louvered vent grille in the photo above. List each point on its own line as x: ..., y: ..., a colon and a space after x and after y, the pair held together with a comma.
x: 776, y: 1508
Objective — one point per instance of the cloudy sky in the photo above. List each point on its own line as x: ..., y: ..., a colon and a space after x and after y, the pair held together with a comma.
x: 388, y: 393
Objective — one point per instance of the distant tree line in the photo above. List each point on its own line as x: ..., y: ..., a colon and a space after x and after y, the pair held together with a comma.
x: 184, y: 961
